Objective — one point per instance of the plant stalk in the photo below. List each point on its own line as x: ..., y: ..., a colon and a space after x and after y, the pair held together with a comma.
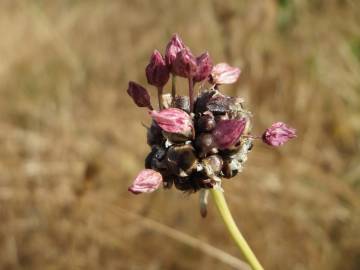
x: 234, y: 230
x: 173, y: 86
x: 160, y: 92
x: 191, y: 93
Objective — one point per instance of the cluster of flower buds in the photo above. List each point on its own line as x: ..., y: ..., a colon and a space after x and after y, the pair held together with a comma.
x: 199, y: 139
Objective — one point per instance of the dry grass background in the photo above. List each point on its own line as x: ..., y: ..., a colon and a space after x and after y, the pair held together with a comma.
x: 71, y: 140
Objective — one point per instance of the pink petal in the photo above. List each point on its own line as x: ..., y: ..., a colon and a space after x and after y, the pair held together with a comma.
x: 228, y: 132
x: 174, y: 120
x: 278, y: 134
x: 223, y: 73
x: 146, y: 181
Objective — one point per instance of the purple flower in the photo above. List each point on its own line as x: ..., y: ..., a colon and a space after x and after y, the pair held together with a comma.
x: 174, y: 46
x: 278, y: 134
x: 157, y: 73
x: 146, y: 181
x: 222, y: 73
x: 174, y: 120
x: 228, y: 132
x: 204, y: 67
x: 185, y: 64
x: 139, y: 95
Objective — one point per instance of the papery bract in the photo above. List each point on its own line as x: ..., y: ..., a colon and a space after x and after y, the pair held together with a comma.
x: 223, y: 73
x: 228, y: 132
x: 139, y: 94
x: 174, y: 120
x: 185, y: 64
x: 157, y: 72
x: 278, y: 134
x: 174, y: 46
x: 204, y: 67
x: 146, y: 181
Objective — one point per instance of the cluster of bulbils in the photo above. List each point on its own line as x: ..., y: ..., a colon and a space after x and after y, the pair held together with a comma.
x: 199, y: 139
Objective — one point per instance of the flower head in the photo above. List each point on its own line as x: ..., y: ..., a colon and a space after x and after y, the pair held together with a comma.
x: 278, y: 134
x: 174, y: 120
x: 227, y: 132
x: 223, y: 73
x: 157, y: 73
x: 139, y: 95
x: 146, y: 181
x: 204, y: 67
x: 185, y: 64
x: 174, y: 46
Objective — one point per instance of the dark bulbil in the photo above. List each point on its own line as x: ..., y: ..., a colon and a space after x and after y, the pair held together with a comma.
x: 198, y: 163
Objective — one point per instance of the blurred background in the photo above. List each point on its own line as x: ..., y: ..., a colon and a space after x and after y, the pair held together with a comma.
x: 71, y: 140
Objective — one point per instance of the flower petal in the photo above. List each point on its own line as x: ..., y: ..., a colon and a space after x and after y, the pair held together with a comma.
x: 174, y: 120
x: 223, y: 73
x: 278, y: 134
x: 228, y: 132
x: 147, y: 181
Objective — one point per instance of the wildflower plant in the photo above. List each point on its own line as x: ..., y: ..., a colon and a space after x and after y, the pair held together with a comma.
x: 197, y: 140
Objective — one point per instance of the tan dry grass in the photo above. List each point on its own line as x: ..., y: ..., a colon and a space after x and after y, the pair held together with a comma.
x: 71, y: 141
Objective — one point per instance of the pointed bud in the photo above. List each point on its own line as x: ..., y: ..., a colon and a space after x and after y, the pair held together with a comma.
x: 204, y: 67
x: 174, y: 120
x: 224, y: 74
x: 174, y: 46
x: 146, y: 181
x: 185, y: 64
x: 227, y: 132
x: 278, y: 134
x: 157, y: 72
x: 139, y: 95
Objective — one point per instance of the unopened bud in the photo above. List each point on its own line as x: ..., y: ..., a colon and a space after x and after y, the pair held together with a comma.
x: 139, y: 95
x: 146, y: 181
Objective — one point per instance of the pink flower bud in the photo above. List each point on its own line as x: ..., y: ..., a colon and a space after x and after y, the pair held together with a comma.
x: 139, y: 95
x: 185, y: 64
x: 174, y: 120
x: 146, y: 181
x: 278, y: 134
x: 227, y: 132
x: 157, y: 72
x: 204, y: 67
x: 174, y: 46
x: 224, y: 74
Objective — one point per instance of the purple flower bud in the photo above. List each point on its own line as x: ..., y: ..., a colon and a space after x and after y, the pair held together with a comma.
x: 157, y: 73
x: 174, y: 120
x: 222, y: 73
x: 185, y: 64
x: 174, y: 46
x: 139, y: 95
x: 204, y: 67
x: 278, y: 134
x: 147, y: 181
x: 228, y: 132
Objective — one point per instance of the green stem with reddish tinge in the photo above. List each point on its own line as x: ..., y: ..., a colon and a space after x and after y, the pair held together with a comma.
x: 234, y: 230
x: 160, y: 92
x: 191, y: 93
x: 173, y: 86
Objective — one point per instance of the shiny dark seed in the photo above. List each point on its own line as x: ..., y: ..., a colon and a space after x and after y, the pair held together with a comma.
x: 181, y: 157
x: 205, y: 143
x: 154, y: 135
x: 206, y: 122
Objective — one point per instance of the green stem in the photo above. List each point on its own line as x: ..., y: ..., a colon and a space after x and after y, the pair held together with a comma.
x: 234, y: 231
